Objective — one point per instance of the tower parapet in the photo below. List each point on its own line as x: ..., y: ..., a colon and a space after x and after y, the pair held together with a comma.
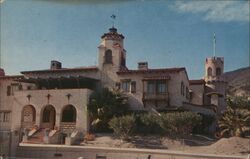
x: 111, y: 50
x: 112, y: 35
x: 214, y: 68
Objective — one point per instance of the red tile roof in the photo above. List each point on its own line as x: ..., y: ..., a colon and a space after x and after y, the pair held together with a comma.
x: 11, y: 76
x: 92, y: 68
x: 159, y: 70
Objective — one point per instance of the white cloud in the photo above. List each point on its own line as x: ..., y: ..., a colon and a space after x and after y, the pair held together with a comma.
x: 216, y: 11
x: 1, y: 1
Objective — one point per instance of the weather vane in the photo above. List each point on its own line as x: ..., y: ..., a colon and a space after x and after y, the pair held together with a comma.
x: 214, y: 41
x: 113, y: 19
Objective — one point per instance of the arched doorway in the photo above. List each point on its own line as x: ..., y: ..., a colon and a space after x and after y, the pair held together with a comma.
x: 28, y: 116
x: 48, y: 117
x: 68, y: 118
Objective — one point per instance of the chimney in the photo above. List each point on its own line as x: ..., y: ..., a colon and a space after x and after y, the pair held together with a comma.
x: 142, y: 65
x: 2, y: 73
x: 55, y: 65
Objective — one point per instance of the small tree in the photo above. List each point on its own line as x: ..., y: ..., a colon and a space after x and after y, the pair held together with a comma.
x: 105, y: 105
x: 123, y: 126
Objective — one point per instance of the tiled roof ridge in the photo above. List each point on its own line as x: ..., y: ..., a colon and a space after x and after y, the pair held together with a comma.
x: 64, y: 69
x: 173, y: 69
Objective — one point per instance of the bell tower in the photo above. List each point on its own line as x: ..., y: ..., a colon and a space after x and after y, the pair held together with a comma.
x: 112, y: 54
x: 112, y: 57
x: 214, y: 67
x: 215, y: 83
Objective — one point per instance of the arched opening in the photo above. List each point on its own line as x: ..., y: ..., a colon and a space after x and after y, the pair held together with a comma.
x: 69, y: 114
x: 108, y: 56
x: 48, y: 117
x: 68, y: 119
x: 218, y: 71
x: 28, y: 116
x: 209, y: 71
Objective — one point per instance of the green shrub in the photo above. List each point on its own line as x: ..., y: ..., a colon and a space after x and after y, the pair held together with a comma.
x: 123, y: 126
x: 206, y: 122
x: 181, y: 123
x: 148, y: 123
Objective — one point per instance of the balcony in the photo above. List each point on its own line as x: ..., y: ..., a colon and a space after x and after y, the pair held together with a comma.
x: 155, y: 96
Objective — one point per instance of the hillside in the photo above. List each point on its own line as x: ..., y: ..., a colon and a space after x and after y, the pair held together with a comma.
x: 238, y: 82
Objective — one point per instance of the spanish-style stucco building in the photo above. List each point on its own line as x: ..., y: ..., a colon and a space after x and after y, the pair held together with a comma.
x: 56, y: 99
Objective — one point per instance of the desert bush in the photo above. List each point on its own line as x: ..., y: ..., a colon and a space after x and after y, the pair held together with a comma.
x: 123, y: 126
x: 148, y: 123
x: 179, y: 123
x: 206, y: 122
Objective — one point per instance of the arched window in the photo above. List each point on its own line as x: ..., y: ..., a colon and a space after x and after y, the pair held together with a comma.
x: 49, y: 114
x: 218, y: 71
x: 28, y: 114
x: 209, y: 71
x: 69, y: 114
x: 108, y: 56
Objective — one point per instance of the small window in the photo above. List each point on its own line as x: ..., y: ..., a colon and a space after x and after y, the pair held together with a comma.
x: 108, y: 57
x: 123, y: 60
x: 6, y: 117
x: 218, y: 71
x: 161, y: 87
x: 133, y: 87
x: 20, y: 87
x: 1, y: 116
x: 125, y: 85
x: 8, y: 90
x: 151, y: 87
x: 209, y: 71
x: 187, y: 92
x: 182, y: 88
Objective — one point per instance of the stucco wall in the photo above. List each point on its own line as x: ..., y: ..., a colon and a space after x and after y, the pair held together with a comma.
x: 79, y: 99
x: 173, y: 87
x: 197, y: 93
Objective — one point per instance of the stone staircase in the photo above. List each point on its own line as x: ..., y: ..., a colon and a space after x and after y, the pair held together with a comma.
x: 37, y: 137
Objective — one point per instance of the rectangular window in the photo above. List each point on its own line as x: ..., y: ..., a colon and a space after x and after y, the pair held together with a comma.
x: 6, y: 117
x: 8, y: 90
x: 187, y: 92
x: 133, y: 87
x: 15, y: 87
x: 125, y: 85
x: 1, y: 117
x: 161, y: 87
x: 151, y: 87
x: 20, y: 87
x: 118, y: 85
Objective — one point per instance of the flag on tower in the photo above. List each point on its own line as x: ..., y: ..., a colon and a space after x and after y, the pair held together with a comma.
x: 214, y: 44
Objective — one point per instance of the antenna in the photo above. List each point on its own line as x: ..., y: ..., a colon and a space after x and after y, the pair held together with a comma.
x: 113, y: 16
x: 214, y: 42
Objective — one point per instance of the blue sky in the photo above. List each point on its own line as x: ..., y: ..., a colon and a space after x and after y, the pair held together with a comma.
x: 164, y: 33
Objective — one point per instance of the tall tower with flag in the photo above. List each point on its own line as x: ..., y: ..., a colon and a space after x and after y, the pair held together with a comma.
x: 216, y: 85
x: 112, y: 55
